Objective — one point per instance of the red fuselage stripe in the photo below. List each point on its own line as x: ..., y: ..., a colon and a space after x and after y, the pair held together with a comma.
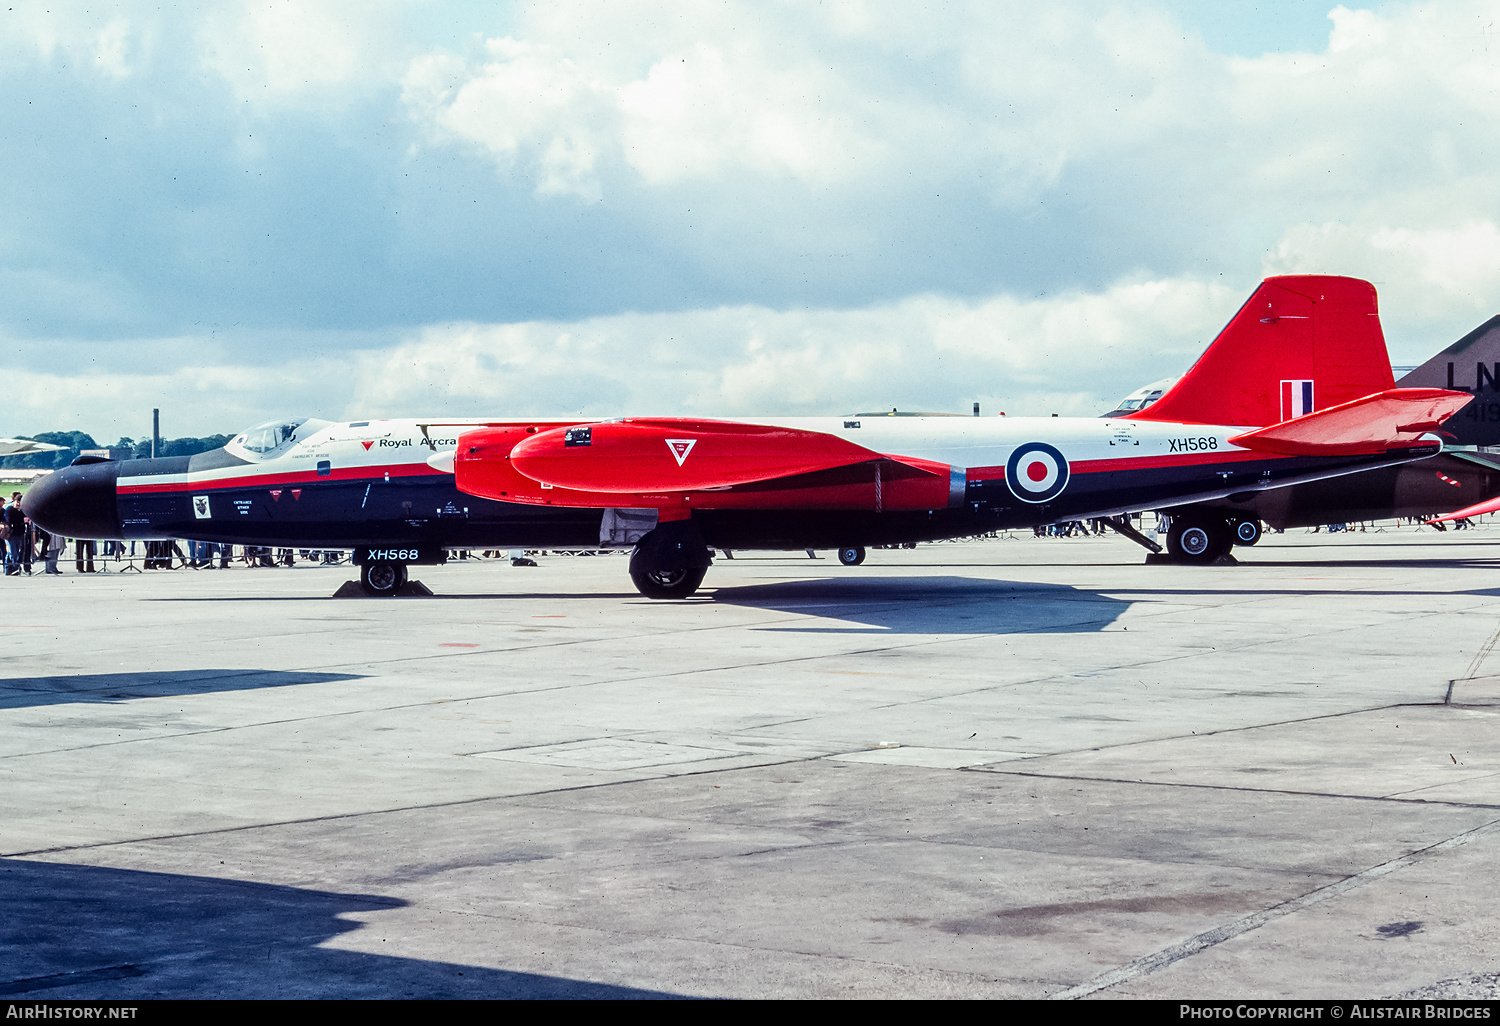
x: 276, y: 480
x: 1133, y: 463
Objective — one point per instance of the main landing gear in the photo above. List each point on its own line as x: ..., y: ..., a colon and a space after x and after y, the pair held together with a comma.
x: 382, y: 579
x: 669, y: 561
x: 1199, y: 537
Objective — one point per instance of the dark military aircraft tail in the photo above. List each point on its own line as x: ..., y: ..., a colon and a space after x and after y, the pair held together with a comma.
x: 1301, y: 343
x: 1472, y: 364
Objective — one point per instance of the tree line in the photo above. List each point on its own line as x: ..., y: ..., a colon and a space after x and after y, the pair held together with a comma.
x: 75, y: 442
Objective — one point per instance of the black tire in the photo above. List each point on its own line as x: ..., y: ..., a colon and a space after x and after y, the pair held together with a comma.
x: 1193, y: 539
x: 382, y: 579
x: 668, y: 584
x: 1246, y: 532
x: 852, y: 555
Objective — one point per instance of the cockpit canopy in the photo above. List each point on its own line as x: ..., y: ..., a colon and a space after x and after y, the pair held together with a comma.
x: 264, y: 441
x: 1142, y: 397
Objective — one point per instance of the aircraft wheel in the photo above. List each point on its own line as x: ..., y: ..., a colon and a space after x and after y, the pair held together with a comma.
x: 852, y: 555
x: 668, y: 584
x: 1246, y: 532
x: 1198, y: 539
x: 382, y: 579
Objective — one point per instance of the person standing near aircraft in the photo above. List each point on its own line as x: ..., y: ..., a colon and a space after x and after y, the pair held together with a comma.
x: 55, y: 545
x: 15, y: 522
x: 83, y: 553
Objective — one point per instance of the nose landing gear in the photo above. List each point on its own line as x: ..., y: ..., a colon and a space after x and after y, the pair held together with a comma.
x: 382, y: 579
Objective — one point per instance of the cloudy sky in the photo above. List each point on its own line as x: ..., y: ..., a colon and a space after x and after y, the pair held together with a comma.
x: 388, y: 208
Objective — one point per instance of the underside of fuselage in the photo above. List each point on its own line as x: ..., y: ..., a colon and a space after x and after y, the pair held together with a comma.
x: 1423, y: 489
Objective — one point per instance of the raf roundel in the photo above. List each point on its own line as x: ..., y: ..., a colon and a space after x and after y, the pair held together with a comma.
x: 1036, y: 472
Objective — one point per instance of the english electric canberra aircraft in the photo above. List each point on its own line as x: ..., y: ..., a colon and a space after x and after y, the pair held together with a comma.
x: 1297, y: 388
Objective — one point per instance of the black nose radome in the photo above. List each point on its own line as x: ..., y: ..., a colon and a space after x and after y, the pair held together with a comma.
x: 76, y: 502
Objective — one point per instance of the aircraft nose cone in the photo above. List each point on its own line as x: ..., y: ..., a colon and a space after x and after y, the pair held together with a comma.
x: 76, y: 502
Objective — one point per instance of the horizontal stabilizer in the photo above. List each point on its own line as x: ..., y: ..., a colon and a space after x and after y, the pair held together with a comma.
x: 674, y: 455
x: 1393, y: 419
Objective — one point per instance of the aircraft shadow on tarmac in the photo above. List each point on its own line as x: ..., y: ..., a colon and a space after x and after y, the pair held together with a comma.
x: 20, y: 692
x: 82, y: 932
x: 933, y: 605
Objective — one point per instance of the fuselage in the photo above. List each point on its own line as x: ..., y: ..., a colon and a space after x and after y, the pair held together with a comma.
x: 369, y: 483
x: 343, y: 485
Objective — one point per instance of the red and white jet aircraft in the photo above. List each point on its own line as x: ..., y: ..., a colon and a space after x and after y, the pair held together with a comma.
x: 1297, y: 387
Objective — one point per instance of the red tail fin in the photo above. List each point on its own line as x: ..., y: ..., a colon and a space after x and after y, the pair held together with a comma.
x: 1300, y: 343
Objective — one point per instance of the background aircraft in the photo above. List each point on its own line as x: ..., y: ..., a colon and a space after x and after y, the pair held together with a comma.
x: 21, y: 446
x: 1296, y: 388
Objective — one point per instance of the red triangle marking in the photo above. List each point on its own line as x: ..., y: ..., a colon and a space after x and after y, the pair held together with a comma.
x: 367, y: 445
x: 276, y: 494
x: 296, y: 493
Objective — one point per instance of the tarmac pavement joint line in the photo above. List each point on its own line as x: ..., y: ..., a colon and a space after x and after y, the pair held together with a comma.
x: 1113, y: 667
x: 1203, y: 941
x: 362, y: 813
x: 1479, y: 658
x: 924, y: 642
x: 691, y: 671
x: 1397, y: 797
x: 1403, y: 796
